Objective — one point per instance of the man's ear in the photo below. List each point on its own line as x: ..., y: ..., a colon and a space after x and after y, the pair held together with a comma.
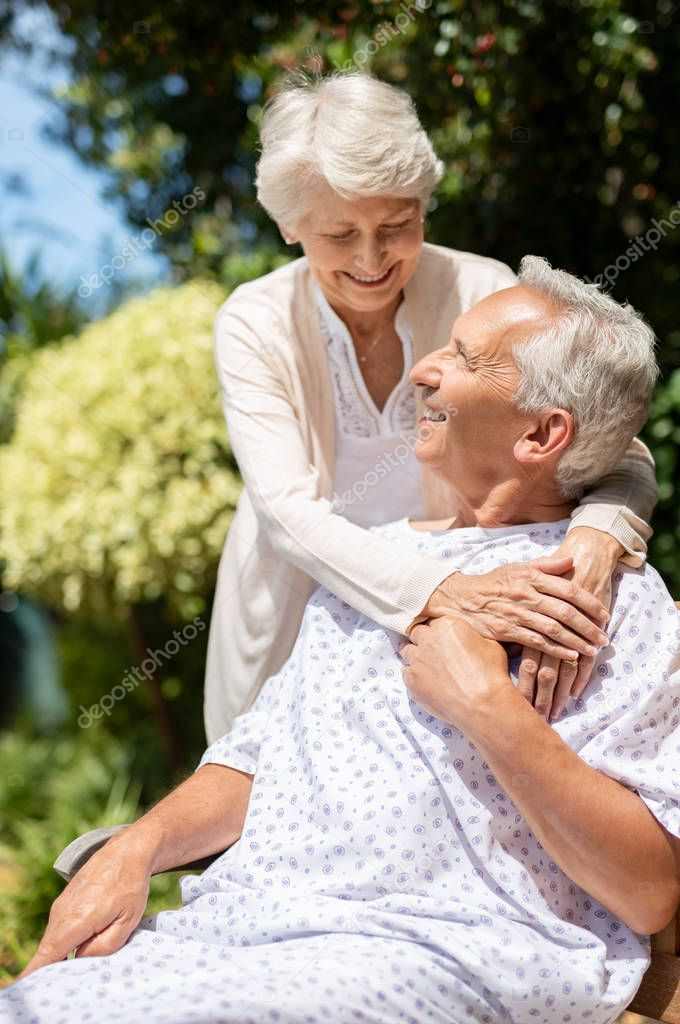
x: 545, y: 437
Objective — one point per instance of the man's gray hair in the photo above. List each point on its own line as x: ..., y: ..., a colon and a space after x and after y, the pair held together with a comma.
x: 358, y: 134
x: 593, y: 358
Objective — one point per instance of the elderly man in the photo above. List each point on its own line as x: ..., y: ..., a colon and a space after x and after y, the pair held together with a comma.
x: 443, y: 854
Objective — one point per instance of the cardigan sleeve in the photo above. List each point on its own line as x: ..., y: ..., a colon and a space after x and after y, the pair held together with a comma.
x: 622, y: 503
x: 374, y: 575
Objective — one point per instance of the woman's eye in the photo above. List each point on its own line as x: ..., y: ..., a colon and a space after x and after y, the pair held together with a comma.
x: 339, y: 238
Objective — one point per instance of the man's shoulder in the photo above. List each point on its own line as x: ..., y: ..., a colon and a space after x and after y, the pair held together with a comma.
x: 642, y: 604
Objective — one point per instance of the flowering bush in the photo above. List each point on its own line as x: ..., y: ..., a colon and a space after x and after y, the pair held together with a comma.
x: 118, y: 482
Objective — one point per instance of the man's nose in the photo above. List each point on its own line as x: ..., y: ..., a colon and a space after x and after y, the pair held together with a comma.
x: 426, y: 372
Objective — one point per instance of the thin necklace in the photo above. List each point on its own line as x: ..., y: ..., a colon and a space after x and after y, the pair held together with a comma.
x: 378, y: 337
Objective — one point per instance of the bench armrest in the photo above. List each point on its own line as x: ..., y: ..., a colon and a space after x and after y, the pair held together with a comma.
x: 76, y: 854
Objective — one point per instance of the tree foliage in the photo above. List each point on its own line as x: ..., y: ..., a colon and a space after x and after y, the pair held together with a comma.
x: 552, y: 117
x: 131, y: 485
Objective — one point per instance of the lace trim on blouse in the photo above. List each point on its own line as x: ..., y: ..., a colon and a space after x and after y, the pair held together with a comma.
x: 357, y: 413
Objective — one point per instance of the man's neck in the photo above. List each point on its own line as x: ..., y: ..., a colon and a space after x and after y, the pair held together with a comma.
x: 510, y: 503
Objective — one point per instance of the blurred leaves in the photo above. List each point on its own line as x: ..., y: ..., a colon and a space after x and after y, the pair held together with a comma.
x: 50, y: 792
x: 132, y: 485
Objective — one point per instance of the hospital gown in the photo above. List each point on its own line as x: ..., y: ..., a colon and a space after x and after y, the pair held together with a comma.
x: 383, y: 874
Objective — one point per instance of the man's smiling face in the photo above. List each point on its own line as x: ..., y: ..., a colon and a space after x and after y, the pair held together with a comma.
x: 468, y: 388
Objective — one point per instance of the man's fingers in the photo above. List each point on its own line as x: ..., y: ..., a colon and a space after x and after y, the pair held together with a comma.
x: 526, y: 677
x: 585, y: 668
x: 567, y: 673
x: 107, y: 941
x: 555, y: 564
x: 56, y: 944
x: 546, y: 681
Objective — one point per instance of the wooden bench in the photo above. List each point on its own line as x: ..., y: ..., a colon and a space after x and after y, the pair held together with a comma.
x: 659, y: 994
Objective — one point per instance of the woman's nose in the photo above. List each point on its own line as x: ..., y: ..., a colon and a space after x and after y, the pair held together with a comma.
x: 370, y: 256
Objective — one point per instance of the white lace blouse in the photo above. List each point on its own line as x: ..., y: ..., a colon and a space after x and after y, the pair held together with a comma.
x: 377, y: 477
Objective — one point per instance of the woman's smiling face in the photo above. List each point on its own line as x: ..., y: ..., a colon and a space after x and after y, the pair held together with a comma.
x: 362, y: 251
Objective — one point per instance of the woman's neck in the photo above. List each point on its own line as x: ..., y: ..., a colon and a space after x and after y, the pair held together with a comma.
x: 363, y: 326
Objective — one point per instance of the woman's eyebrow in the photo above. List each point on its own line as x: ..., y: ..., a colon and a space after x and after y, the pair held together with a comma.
x: 399, y: 215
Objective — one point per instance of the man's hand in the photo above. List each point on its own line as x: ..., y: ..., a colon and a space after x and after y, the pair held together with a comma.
x: 99, y: 908
x: 451, y: 669
x: 595, y: 556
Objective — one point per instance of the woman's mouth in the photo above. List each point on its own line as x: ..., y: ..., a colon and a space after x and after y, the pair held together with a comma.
x: 363, y: 281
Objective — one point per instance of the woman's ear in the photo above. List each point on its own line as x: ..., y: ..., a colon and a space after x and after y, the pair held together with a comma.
x: 288, y: 236
x: 546, y: 437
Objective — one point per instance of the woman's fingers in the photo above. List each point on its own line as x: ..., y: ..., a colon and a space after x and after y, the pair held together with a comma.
x: 558, y: 640
x: 571, y: 592
x: 570, y: 618
x: 530, y: 638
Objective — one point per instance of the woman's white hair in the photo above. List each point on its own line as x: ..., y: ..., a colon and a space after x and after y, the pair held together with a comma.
x: 358, y: 134
x: 595, y: 359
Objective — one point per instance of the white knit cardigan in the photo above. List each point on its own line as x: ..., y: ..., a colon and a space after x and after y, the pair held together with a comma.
x: 284, y: 539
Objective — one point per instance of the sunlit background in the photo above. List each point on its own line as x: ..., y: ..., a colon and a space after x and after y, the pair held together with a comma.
x: 127, y: 147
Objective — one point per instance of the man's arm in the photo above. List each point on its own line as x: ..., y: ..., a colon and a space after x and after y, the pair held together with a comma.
x: 104, y: 903
x: 600, y: 833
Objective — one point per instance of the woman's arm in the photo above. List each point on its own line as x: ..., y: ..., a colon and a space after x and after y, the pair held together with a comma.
x: 377, y: 577
x: 611, y: 524
x: 372, y: 574
x: 621, y: 504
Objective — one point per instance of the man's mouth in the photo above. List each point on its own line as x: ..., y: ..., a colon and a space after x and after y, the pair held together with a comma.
x: 364, y: 281
x: 433, y: 415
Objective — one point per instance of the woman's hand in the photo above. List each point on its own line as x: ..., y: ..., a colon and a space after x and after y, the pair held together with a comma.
x: 595, y: 555
x: 526, y: 603
x: 99, y: 908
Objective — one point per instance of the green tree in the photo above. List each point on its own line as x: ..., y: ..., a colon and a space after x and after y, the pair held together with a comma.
x: 551, y: 117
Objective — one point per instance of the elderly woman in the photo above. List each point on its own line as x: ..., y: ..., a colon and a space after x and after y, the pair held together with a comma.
x: 314, y: 363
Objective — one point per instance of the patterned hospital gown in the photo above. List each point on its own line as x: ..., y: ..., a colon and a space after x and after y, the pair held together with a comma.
x: 383, y: 874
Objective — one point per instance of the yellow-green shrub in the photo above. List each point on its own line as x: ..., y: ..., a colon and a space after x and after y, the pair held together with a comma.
x: 118, y: 485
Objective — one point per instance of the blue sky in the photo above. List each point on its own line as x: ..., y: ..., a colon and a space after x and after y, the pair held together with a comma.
x: 59, y: 209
